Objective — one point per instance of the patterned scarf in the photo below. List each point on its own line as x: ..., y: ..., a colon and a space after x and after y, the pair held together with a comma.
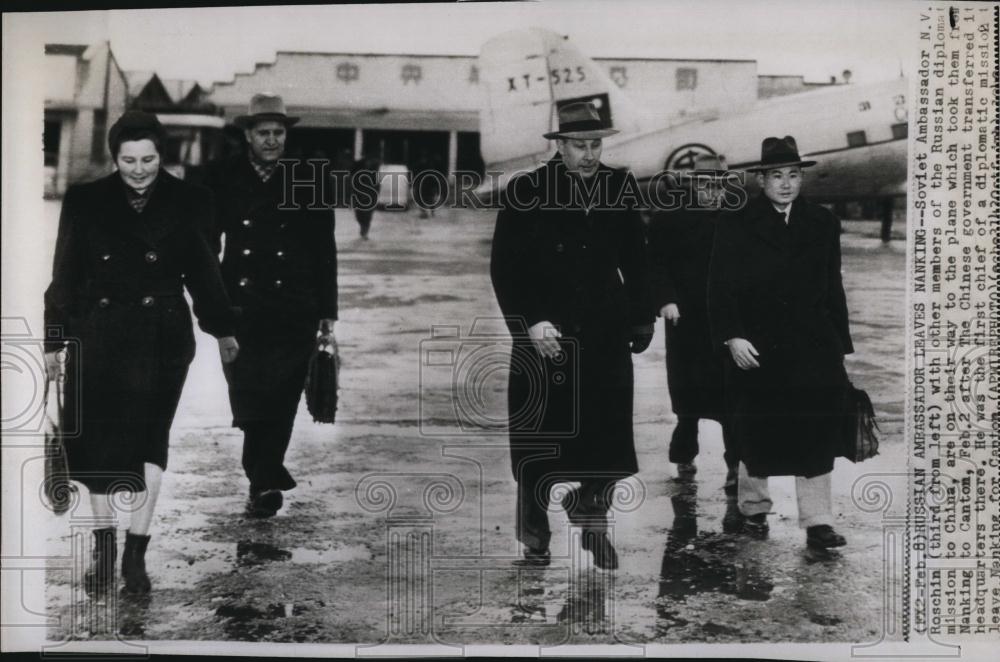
x: 138, y: 199
x: 263, y: 170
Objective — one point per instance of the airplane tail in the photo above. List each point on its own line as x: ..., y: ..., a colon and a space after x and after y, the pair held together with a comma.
x: 526, y: 76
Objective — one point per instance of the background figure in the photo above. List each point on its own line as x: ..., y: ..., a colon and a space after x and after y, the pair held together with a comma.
x: 430, y: 191
x: 128, y: 244
x: 364, y: 191
x: 776, y: 300
x: 680, y: 247
x: 571, y: 281
x: 280, y: 268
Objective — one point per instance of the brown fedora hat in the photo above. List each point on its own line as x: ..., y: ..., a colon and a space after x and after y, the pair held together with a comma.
x: 779, y: 153
x: 707, y: 166
x: 265, y: 107
x: 580, y: 121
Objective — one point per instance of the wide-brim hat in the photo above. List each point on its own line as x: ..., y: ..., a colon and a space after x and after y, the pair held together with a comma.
x: 580, y: 121
x: 263, y: 108
x: 707, y: 166
x: 779, y: 153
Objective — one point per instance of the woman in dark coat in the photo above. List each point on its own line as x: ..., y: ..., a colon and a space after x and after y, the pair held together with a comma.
x: 776, y: 300
x: 127, y: 246
x: 570, y: 279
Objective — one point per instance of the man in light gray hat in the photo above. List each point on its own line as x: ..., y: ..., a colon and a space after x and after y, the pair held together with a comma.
x: 280, y: 269
x: 570, y: 279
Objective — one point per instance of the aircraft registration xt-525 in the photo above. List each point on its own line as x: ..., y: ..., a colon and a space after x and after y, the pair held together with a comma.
x: 857, y: 133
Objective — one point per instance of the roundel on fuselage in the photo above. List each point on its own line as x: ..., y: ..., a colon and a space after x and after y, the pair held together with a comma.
x: 683, y: 157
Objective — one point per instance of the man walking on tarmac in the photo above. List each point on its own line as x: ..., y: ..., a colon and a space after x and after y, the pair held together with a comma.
x: 680, y: 247
x: 569, y: 271
x: 776, y: 302
x: 280, y: 269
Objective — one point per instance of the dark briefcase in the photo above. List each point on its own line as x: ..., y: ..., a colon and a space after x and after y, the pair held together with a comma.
x: 860, y: 440
x: 322, y: 381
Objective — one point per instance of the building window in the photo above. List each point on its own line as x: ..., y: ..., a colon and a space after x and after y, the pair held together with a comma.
x: 899, y: 131
x: 687, y: 78
x: 98, y: 136
x: 856, y: 139
x: 50, y: 141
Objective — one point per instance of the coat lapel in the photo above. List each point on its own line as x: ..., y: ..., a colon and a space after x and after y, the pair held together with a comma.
x: 804, y: 229
x: 160, y: 215
x: 769, y: 225
x: 155, y: 221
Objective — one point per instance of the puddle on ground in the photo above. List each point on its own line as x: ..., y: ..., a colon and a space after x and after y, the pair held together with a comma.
x: 347, y: 553
x: 706, y: 564
x: 250, y: 553
x: 248, y: 622
x: 822, y: 619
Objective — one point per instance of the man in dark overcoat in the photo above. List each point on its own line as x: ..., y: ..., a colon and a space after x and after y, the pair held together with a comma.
x: 680, y: 246
x: 776, y: 301
x: 280, y: 269
x: 569, y: 272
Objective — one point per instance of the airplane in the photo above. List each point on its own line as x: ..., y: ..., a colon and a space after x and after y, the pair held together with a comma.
x: 857, y: 133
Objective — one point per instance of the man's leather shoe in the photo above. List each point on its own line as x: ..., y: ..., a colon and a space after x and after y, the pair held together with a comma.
x: 756, y: 526
x: 732, y: 521
x: 534, y: 558
x: 823, y: 536
x: 686, y: 470
x: 605, y: 556
x: 265, y: 503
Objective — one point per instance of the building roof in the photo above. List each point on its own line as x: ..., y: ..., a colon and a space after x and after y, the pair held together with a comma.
x: 76, y: 50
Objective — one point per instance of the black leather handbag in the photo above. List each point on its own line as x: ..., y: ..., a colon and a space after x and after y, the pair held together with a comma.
x: 322, y: 381
x: 59, y: 491
x: 860, y: 438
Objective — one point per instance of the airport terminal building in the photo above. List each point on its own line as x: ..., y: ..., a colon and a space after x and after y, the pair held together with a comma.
x: 407, y: 108
x: 415, y: 110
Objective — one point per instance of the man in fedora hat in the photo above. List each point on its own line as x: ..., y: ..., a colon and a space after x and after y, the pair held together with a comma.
x: 776, y: 302
x: 680, y: 245
x: 280, y: 269
x: 568, y: 267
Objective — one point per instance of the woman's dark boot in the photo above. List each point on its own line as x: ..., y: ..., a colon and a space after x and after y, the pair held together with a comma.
x: 101, y: 574
x: 134, y: 564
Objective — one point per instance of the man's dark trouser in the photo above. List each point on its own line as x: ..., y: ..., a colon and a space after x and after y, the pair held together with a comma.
x: 364, y: 219
x: 684, y: 448
x: 588, y: 508
x: 264, y: 447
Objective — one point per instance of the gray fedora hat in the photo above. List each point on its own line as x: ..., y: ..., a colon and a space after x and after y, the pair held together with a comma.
x: 580, y: 121
x: 264, y: 107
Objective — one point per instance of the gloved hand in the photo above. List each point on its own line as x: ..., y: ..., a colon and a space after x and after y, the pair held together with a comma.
x: 641, y: 337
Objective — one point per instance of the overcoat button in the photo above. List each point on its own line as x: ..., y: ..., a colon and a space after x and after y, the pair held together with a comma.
x: 104, y: 302
x: 244, y: 282
x: 147, y: 301
x: 246, y: 251
x: 151, y: 257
